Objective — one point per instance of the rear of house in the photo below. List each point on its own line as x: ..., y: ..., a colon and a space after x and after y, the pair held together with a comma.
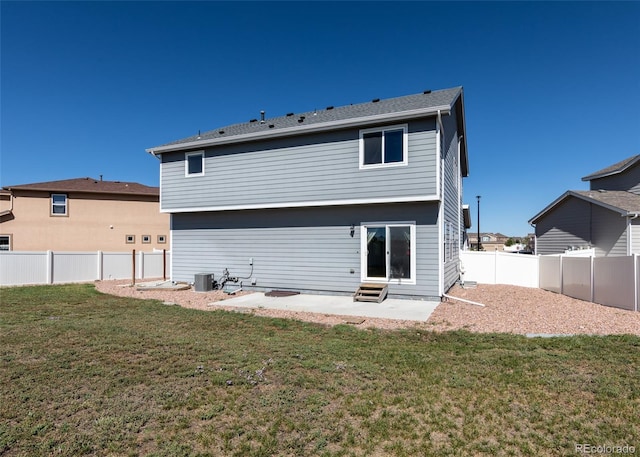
x: 325, y: 200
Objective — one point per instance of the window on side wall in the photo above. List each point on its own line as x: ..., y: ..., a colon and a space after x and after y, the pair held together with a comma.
x: 383, y: 147
x: 5, y: 242
x: 59, y: 205
x: 194, y: 164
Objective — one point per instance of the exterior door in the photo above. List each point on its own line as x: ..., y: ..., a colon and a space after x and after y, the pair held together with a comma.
x: 388, y: 252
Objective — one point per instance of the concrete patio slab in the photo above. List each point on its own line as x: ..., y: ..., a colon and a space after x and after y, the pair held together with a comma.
x: 412, y: 310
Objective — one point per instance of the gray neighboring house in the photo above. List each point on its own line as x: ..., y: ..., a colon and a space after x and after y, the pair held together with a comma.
x: 324, y: 200
x: 605, y: 217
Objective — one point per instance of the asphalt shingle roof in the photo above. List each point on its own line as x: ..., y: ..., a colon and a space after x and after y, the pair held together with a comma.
x: 425, y: 100
x: 623, y: 200
x: 613, y: 169
x: 89, y: 185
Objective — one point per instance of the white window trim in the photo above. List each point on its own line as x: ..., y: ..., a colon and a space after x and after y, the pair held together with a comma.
x: 66, y: 205
x: 363, y: 252
x: 186, y: 164
x: 405, y: 147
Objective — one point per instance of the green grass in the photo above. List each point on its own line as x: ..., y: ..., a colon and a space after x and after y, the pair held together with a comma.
x: 82, y: 373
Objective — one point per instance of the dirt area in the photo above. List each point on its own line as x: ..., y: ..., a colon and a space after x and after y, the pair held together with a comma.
x: 508, y: 309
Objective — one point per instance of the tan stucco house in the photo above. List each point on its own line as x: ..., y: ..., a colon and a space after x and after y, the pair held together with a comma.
x: 82, y: 214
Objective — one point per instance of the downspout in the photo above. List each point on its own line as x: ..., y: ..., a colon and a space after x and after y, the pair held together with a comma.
x: 630, y: 217
x: 439, y: 183
x: 459, y: 178
x: 451, y: 297
x: 159, y: 157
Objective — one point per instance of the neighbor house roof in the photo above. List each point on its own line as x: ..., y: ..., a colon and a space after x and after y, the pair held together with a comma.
x: 613, y: 169
x: 620, y: 201
x: 387, y: 110
x: 89, y: 185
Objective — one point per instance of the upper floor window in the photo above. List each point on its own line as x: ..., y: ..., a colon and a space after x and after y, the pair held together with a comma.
x: 5, y: 242
x: 194, y: 164
x: 59, y: 205
x: 385, y: 146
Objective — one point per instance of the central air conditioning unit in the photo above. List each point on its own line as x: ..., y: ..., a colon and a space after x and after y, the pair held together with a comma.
x: 203, y: 282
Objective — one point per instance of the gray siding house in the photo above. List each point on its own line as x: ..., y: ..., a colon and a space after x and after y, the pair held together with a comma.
x: 324, y: 200
x: 605, y: 217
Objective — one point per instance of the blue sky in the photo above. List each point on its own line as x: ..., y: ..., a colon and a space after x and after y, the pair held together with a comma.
x: 552, y: 90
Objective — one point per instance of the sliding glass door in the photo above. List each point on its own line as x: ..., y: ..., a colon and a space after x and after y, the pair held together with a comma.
x: 388, y: 252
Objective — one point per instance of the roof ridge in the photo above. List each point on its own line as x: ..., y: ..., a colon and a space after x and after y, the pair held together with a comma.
x: 616, y: 168
x: 331, y: 114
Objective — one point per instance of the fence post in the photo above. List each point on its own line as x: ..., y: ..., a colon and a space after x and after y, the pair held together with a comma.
x: 49, y: 267
x: 141, y: 266
x: 100, y: 266
x: 561, y: 275
x: 164, y: 264
x: 636, y: 279
x: 133, y: 267
x: 592, y: 278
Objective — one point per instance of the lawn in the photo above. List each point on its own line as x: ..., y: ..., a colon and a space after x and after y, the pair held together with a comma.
x: 82, y: 373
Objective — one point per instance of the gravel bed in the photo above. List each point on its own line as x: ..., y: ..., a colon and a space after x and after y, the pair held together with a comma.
x: 508, y: 309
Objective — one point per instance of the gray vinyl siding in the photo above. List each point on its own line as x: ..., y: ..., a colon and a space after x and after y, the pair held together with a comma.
x: 304, y: 249
x: 628, y: 180
x: 609, y: 232
x: 581, y: 224
x: 312, y: 168
x: 635, y: 236
x: 566, y: 225
x: 452, y: 206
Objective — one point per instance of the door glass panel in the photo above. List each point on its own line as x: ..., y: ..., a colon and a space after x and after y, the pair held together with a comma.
x: 376, y: 252
x: 400, y: 252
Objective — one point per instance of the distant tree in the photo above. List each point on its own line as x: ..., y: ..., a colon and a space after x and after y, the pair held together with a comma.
x: 510, y: 242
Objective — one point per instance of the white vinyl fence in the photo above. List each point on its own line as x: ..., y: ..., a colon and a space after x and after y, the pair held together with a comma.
x: 610, y: 281
x: 49, y: 267
x: 500, y: 268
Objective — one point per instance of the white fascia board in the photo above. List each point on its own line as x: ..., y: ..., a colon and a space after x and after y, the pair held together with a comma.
x: 362, y: 201
x: 297, y: 130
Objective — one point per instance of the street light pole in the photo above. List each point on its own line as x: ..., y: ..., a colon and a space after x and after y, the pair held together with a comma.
x: 478, y: 197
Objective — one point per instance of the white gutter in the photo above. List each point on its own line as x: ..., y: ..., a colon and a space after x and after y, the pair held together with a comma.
x: 300, y: 129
